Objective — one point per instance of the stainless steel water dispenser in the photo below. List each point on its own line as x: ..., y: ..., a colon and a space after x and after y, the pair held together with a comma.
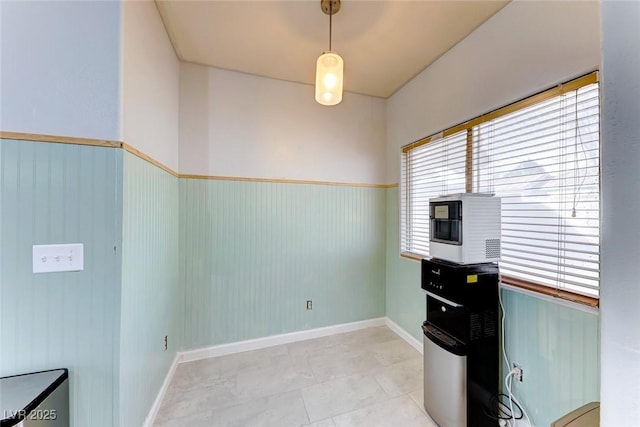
x: 461, y: 353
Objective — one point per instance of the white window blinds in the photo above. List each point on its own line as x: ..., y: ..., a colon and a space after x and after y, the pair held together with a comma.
x: 430, y: 170
x: 543, y: 161
x: 541, y: 155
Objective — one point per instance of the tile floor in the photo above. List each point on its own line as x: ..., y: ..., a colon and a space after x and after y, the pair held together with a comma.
x: 366, y: 378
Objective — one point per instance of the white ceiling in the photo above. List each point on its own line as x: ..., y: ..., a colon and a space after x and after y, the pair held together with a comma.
x: 383, y: 43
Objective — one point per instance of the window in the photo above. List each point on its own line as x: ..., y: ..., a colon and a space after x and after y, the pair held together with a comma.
x: 428, y: 170
x: 541, y: 156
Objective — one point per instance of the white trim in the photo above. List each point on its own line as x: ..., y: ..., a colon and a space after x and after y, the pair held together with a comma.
x: 553, y: 300
x: 273, y: 340
x: 413, y: 342
x: 153, y: 412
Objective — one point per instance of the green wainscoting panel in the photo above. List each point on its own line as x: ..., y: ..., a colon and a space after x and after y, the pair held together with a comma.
x: 152, y: 298
x: 406, y: 303
x: 253, y: 253
x: 60, y: 193
x: 558, y: 348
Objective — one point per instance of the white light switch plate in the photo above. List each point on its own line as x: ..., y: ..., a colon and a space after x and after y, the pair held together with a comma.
x: 53, y: 258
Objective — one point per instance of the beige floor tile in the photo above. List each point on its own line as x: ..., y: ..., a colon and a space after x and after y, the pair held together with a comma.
x: 281, y: 410
x: 341, y: 395
x: 418, y: 397
x: 179, y: 403
x: 331, y: 351
x: 399, y: 411
x: 308, y: 348
x: 364, y: 337
x: 179, y: 390
x: 259, y: 382
x: 324, y: 423
x: 390, y: 352
x: 234, y: 363
x: 213, y: 389
x: 401, y: 377
x: 342, y: 363
x: 211, y: 372
x: 202, y: 419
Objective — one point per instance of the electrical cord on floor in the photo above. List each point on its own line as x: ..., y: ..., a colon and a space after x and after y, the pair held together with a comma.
x: 507, y: 380
x: 500, y: 411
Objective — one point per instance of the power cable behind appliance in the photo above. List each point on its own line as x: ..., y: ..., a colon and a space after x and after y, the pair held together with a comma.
x: 507, y: 380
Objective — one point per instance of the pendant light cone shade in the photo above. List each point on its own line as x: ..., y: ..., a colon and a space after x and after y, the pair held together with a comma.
x: 329, y: 78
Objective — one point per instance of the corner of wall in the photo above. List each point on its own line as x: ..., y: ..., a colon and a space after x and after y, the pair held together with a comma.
x: 121, y: 50
x: 150, y: 297
x: 118, y: 250
x: 149, y: 86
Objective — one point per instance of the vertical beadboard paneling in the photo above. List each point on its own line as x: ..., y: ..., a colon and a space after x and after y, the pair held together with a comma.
x: 59, y: 193
x: 152, y: 300
x: 252, y: 253
x: 406, y: 303
x: 558, y: 348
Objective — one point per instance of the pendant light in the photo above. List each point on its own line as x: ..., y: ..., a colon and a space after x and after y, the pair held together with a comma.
x: 329, y: 67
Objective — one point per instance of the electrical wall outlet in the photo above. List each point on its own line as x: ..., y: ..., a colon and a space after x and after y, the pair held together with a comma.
x: 519, y: 372
x: 309, y: 305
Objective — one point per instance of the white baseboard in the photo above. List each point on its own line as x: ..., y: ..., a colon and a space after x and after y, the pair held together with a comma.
x: 273, y: 340
x: 153, y: 412
x: 413, y: 342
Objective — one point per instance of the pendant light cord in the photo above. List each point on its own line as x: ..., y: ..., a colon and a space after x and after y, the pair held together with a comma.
x: 330, y: 19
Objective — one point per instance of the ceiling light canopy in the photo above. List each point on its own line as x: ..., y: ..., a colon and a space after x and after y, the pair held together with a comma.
x: 329, y: 67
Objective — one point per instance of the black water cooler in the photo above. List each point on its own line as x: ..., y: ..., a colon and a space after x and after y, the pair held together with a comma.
x: 461, y: 344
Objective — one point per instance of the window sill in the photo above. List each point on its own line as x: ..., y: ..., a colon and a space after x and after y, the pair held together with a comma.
x: 412, y: 256
x: 552, y: 292
x: 551, y: 299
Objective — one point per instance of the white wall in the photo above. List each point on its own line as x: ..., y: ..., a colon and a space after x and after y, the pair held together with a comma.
x: 240, y: 125
x: 620, y: 297
x: 150, y: 84
x: 59, y: 68
x: 524, y: 48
